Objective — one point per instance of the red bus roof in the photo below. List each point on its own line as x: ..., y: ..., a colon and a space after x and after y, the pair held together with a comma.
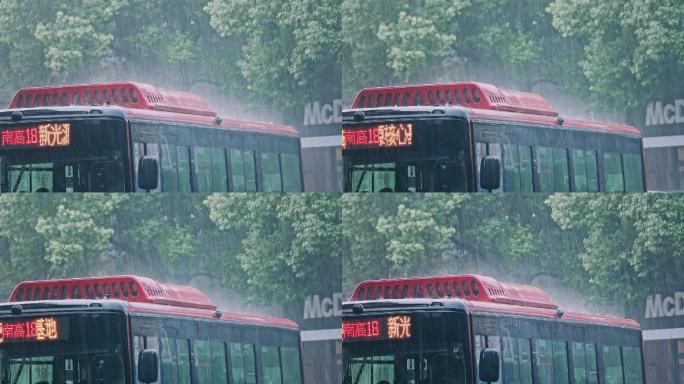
x: 484, y: 101
x: 482, y: 294
x: 142, y: 101
x: 140, y: 294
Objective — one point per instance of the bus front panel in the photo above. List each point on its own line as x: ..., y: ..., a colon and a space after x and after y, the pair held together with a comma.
x: 75, y: 348
x: 419, y: 155
x: 77, y: 155
x: 409, y: 347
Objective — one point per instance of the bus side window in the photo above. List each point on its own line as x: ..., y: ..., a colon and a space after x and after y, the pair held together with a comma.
x: 544, y: 361
x: 292, y: 180
x: 218, y: 362
x: 585, y: 168
x: 218, y: 169
x: 612, y: 365
x: 175, y: 361
x: 292, y: 366
x: 634, y: 176
x: 486, y: 342
x: 585, y: 367
x: 243, y: 170
x: 270, y: 171
x: 631, y: 357
x: 243, y: 364
x: 203, y: 173
x: 551, y: 362
x: 184, y: 180
x: 270, y: 362
x: 560, y: 362
x: 517, y: 168
x: 517, y: 361
x: 553, y: 169
x: 210, y: 362
x: 169, y: 166
x: 612, y: 170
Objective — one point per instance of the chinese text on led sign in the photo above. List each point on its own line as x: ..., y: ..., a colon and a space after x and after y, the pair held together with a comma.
x: 41, y: 136
x: 381, y: 136
x: 399, y: 327
x: 361, y: 329
x: 392, y: 328
x: 45, y: 329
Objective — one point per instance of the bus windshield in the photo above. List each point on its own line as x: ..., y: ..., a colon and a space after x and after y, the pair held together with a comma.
x: 86, y: 155
x: 407, y: 156
x: 76, y: 349
x: 426, y: 348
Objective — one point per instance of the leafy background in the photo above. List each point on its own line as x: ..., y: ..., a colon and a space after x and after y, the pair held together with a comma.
x: 275, y: 250
x: 252, y: 56
x: 608, y: 249
x: 611, y: 54
x: 271, y: 250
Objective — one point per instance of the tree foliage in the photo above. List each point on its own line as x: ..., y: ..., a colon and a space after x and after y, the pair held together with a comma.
x: 269, y: 249
x: 614, y: 53
x: 608, y: 247
x: 630, y: 242
x: 282, y: 53
x: 632, y: 48
x: 290, y: 244
x: 290, y: 47
x: 500, y: 41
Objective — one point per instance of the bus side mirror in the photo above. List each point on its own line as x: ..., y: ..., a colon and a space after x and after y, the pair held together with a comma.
x: 148, y: 366
x: 148, y: 173
x: 490, y: 173
x: 489, y: 366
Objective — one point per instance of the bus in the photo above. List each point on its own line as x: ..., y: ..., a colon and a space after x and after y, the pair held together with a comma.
x: 129, y: 330
x: 473, y: 137
x: 128, y: 137
x: 465, y: 329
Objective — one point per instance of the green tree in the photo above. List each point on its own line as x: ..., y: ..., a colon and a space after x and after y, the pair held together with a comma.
x: 503, y: 235
x: 504, y: 42
x: 291, y: 48
x: 631, y: 242
x: 290, y: 244
x: 396, y: 235
x: 633, y: 49
x: 283, y: 54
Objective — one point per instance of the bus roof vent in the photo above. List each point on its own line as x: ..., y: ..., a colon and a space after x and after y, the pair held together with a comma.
x: 125, y: 288
x: 468, y: 287
x: 126, y: 94
x: 470, y: 95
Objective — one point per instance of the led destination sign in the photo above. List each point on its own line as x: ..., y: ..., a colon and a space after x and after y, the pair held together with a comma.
x: 380, y: 136
x: 41, y: 136
x: 390, y: 328
x: 44, y: 329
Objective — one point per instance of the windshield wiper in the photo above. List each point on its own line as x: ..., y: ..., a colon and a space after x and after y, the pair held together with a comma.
x: 358, y: 376
x: 21, y: 174
x: 21, y: 368
x: 363, y: 175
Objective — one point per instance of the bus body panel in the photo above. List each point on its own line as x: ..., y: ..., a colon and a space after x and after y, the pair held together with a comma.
x: 534, y: 326
x: 621, y: 145
x: 276, y: 149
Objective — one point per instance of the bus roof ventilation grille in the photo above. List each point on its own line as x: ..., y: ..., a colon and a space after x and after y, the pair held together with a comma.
x: 125, y: 288
x: 467, y: 287
x: 126, y: 94
x: 470, y: 95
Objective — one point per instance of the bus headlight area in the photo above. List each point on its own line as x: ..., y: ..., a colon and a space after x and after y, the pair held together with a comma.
x: 129, y: 329
x: 470, y: 329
